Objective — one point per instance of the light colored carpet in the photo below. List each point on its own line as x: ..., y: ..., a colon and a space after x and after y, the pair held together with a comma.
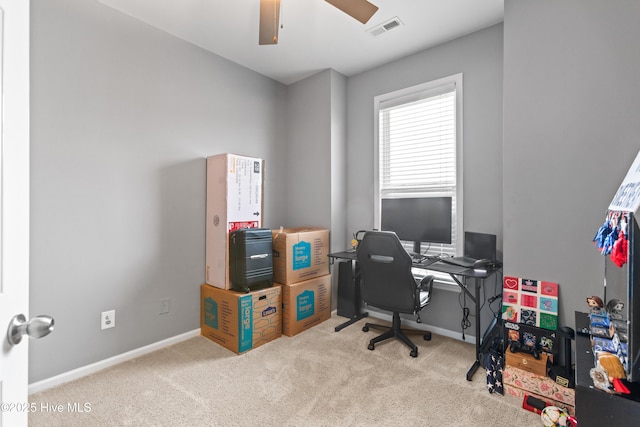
x: 316, y: 378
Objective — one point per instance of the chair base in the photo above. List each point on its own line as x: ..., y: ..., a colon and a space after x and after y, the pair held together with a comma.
x: 395, y: 331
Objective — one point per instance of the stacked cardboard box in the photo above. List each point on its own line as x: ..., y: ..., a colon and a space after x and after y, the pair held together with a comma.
x: 235, y: 320
x: 240, y: 321
x: 301, y: 266
x: 301, y: 295
x: 234, y: 201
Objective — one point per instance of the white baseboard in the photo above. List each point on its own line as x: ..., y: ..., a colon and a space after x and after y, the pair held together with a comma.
x: 106, y: 363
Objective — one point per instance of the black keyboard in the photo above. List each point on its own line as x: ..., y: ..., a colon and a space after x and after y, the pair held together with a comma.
x: 425, y: 261
x: 460, y: 261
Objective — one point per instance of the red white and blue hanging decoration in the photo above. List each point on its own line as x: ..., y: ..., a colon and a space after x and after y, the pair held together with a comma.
x: 611, y: 238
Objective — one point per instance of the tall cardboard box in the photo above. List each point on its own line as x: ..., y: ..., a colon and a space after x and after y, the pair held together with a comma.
x: 240, y: 321
x: 234, y: 201
x: 305, y: 304
x: 300, y: 254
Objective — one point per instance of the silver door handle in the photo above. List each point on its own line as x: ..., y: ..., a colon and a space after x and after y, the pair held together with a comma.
x: 37, y: 327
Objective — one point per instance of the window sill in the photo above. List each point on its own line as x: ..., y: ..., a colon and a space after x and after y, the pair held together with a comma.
x: 446, y: 286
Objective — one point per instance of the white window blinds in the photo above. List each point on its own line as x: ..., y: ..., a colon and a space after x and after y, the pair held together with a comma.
x: 417, y: 147
x: 418, y: 144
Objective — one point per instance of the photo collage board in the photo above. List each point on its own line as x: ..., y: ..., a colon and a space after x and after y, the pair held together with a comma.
x: 530, y: 302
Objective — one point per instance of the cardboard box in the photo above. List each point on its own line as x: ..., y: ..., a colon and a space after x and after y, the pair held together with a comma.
x: 240, y: 321
x: 300, y: 254
x: 527, y: 362
x: 234, y: 201
x: 305, y: 304
x: 518, y: 382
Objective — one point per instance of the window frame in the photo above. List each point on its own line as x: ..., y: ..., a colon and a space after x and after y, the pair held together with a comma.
x: 409, y: 94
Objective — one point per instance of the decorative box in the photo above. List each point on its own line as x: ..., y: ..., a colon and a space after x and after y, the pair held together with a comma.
x: 527, y: 362
x: 518, y: 382
x: 515, y: 391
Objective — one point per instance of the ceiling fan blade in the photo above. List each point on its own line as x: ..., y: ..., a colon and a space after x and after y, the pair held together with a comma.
x: 361, y: 10
x: 269, y: 21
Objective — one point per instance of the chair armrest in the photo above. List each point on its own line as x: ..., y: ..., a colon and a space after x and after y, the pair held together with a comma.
x: 426, y: 284
x: 425, y: 287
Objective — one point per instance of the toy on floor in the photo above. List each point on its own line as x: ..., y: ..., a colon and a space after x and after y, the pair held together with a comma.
x: 552, y: 416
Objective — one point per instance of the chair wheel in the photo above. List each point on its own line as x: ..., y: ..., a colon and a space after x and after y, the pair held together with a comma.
x: 365, y: 329
x: 371, y: 347
x: 427, y: 336
x: 414, y: 353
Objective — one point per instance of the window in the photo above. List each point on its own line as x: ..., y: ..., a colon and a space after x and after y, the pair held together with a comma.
x: 419, y: 150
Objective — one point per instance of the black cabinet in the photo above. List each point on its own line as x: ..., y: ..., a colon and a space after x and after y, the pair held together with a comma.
x: 595, y: 407
x: 349, y: 300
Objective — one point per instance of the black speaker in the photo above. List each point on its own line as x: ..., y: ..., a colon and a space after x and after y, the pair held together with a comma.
x: 563, y: 373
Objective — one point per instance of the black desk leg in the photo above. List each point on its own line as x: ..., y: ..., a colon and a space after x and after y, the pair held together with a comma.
x: 472, y: 370
x: 351, y: 321
x: 476, y: 364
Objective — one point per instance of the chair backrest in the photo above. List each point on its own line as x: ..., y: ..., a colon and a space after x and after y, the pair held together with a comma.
x: 385, y: 268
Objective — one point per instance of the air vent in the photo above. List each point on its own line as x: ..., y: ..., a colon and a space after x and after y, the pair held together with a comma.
x: 391, y: 25
x: 385, y: 27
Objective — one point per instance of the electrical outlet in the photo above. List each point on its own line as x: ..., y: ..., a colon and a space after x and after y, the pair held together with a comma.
x: 108, y: 319
x: 164, y: 306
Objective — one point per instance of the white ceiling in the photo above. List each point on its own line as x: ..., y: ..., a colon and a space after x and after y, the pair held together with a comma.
x: 315, y: 35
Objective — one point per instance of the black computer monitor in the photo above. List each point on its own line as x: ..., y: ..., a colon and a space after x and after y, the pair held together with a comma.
x: 480, y: 245
x: 418, y: 219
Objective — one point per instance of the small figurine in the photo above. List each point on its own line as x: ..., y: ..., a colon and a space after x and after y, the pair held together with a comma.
x: 595, y: 303
x: 600, y: 378
x: 354, y: 244
x: 612, y: 365
x: 611, y: 371
x: 615, y: 308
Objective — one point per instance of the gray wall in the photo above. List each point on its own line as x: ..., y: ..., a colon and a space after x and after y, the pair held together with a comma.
x: 339, y: 236
x: 571, y: 131
x: 122, y: 117
x: 479, y: 57
x: 308, y: 152
x: 316, y: 146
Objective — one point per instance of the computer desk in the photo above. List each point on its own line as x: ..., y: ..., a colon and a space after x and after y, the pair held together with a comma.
x: 456, y: 273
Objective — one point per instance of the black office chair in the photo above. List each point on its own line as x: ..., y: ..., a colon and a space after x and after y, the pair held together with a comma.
x: 388, y: 284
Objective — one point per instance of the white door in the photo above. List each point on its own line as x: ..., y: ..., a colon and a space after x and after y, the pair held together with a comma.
x: 14, y: 205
